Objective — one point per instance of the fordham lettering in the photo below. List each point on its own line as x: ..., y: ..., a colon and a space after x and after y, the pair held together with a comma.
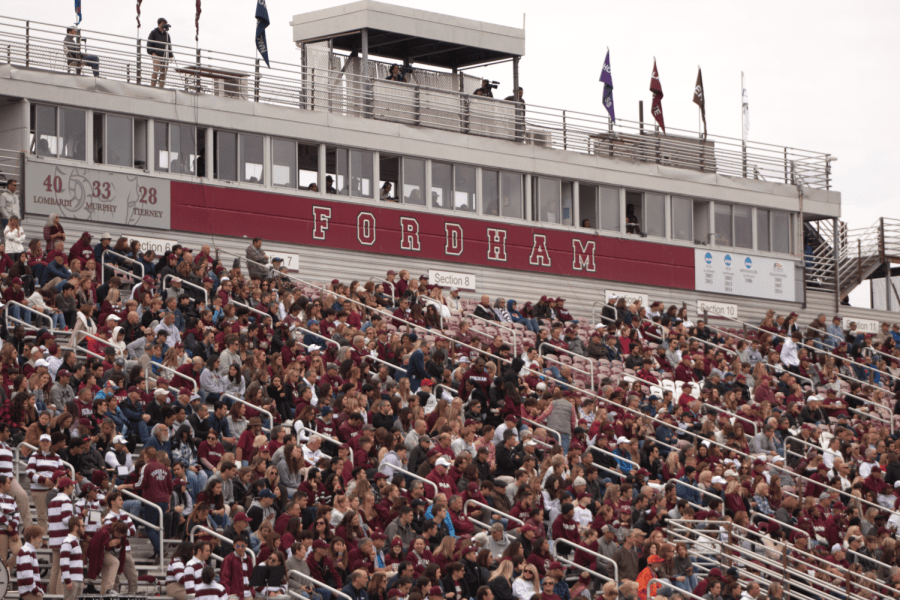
x: 583, y: 256
x: 454, y: 239
x: 540, y: 257
x: 409, y: 234
x: 321, y: 216
x: 365, y: 228
x: 496, y: 244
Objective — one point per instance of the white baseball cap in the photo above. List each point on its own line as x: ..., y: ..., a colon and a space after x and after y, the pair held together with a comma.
x: 119, y: 440
x: 623, y: 440
x: 442, y: 462
x: 718, y: 479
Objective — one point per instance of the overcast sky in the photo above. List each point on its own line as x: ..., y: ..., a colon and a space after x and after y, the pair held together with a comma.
x: 818, y: 73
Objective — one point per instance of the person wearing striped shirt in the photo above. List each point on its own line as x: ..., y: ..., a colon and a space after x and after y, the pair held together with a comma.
x: 236, y: 569
x: 86, y: 506
x: 6, y: 468
x: 208, y: 588
x: 9, y: 518
x: 194, y: 567
x: 175, y: 576
x: 71, y: 560
x: 28, y: 574
x: 114, y: 501
x: 60, y: 511
x: 41, y: 465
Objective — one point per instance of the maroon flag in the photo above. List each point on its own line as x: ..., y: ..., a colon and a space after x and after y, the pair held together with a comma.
x: 656, y: 89
x: 139, y: 13
x: 197, y: 22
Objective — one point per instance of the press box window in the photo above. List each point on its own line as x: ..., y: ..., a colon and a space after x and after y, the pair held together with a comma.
x: 59, y: 132
x: 295, y: 164
x: 501, y: 193
x: 350, y: 172
x: 175, y: 148
x: 119, y: 140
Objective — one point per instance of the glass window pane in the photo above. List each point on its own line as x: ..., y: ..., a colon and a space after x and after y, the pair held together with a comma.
x: 723, y: 224
x: 140, y: 143
x: 361, y: 172
x: 587, y: 205
x: 464, y: 188
x: 226, y: 155
x: 45, y: 131
x: 655, y: 215
x: 743, y: 227
x: 781, y: 232
x: 119, y: 143
x: 284, y: 160
x: 161, y: 145
x: 72, y: 133
x: 609, y: 209
x: 682, y: 219
x: 490, y: 192
x: 441, y: 184
x: 567, y: 194
x: 548, y: 200
x: 634, y: 213
x: 176, y: 156
x: 337, y: 171
x: 511, y: 194
x: 99, y: 145
x: 389, y: 175
x: 251, y: 158
x: 413, y: 181
x: 188, y: 143
x: 308, y: 166
x: 762, y: 230
x: 701, y: 222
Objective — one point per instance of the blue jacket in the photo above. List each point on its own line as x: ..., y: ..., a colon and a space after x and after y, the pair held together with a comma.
x: 416, y: 366
x: 688, y: 493
x: 55, y: 270
x: 218, y: 425
x: 119, y: 419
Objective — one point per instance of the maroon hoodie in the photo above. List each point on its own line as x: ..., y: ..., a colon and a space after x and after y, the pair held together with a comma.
x: 155, y: 482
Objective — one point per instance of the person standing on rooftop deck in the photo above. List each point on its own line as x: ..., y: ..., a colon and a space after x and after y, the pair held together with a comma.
x: 159, y: 46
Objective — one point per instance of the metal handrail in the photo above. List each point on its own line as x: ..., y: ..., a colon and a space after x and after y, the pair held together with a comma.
x: 325, y: 437
x: 169, y: 370
x: 253, y: 406
x: 316, y: 583
x: 666, y: 584
x: 18, y: 459
x: 553, y: 431
x: 556, y: 349
x: 592, y: 553
x: 501, y: 325
x: 735, y: 415
x: 760, y: 558
x: 582, y: 568
x: 161, y: 528
x: 169, y: 276
x: 122, y: 257
x: 248, y: 307
x: 31, y: 43
x: 229, y: 541
x: 7, y: 318
x: 422, y: 479
x: 85, y: 334
x: 805, y: 533
x: 490, y: 508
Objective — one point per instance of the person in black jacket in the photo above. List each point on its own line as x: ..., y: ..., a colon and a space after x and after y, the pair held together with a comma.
x: 500, y: 584
x: 159, y: 46
x: 508, y: 460
x: 475, y: 575
x: 455, y: 582
x: 484, y: 309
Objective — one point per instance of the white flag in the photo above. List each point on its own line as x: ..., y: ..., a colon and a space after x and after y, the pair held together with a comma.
x: 745, y: 108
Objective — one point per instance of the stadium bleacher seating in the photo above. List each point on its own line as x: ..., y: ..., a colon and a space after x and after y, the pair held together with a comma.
x: 308, y: 420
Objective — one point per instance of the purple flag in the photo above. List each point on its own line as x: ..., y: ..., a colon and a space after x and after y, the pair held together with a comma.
x: 606, y: 78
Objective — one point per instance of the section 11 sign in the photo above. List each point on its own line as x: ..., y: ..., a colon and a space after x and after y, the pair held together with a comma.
x: 744, y: 275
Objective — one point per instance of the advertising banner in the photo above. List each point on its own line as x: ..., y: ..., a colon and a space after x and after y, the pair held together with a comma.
x: 743, y: 275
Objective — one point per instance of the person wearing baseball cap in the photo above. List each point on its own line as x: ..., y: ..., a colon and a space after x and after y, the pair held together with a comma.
x: 440, y: 477
x: 654, y: 564
x: 41, y: 466
x: 60, y: 510
x: 119, y: 458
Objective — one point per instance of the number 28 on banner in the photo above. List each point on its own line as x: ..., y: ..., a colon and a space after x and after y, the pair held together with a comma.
x: 101, y: 190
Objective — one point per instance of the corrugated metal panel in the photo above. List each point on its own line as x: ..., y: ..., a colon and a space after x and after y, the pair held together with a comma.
x: 321, y: 265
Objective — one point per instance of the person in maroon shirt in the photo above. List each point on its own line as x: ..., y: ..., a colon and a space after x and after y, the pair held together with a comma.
x: 14, y: 293
x: 351, y: 427
x: 210, y: 452
x: 155, y: 485
x: 244, y: 450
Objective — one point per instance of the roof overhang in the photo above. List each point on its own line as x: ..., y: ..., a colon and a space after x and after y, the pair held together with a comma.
x: 408, y: 34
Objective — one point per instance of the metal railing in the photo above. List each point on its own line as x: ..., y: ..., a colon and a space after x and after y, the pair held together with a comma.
x: 258, y: 409
x: 169, y: 370
x: 607, y: 559
x: 326, y: 438
x: 189, y: 284
x: 553, y: 431
x: 315, y: 583
x: 491, y: 509
x: 219, y: 536
x: 422, y: 479
x: 572, y: 366
x: 161, y: 528
x: 499, y: 325
x: 34, y: 44
x: 120, y: 257
x: 34, y: 311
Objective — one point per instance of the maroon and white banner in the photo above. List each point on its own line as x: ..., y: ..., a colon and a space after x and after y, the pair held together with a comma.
x: 446, y: 237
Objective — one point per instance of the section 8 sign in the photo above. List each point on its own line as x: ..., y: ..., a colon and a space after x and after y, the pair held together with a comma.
x: 449, y: 279
x: 99, y: 196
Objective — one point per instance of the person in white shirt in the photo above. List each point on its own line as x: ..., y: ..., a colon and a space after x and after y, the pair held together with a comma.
x: 789, y: 353
x: 834, y: 450
x: 119, y: 458
x: 15, y: 237
x: 312, y: 451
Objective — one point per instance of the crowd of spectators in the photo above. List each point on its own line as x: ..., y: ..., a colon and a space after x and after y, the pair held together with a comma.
x: 384, y: 438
